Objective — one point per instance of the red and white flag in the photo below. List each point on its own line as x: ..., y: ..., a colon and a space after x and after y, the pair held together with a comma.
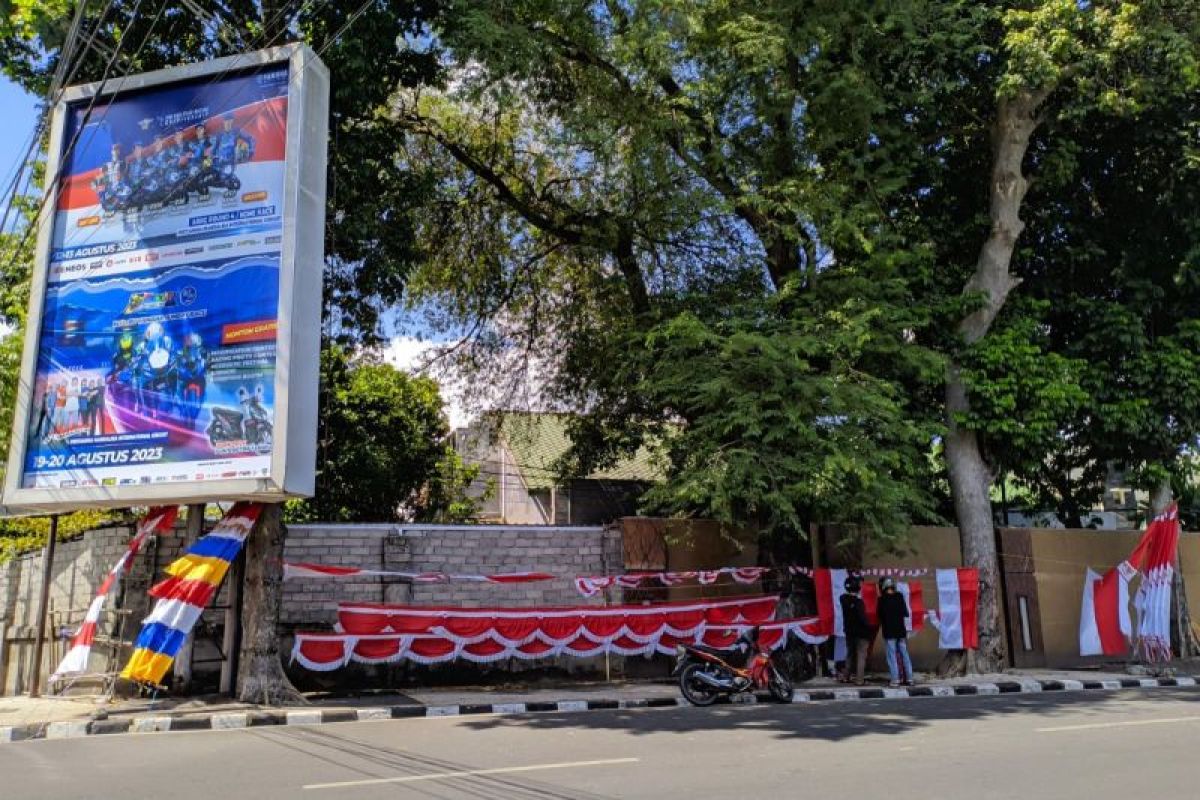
x: 957, y: 615
x: 76, y: 659
x: 1104, y: 625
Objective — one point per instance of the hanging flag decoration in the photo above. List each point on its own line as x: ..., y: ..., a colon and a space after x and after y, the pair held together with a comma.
x: 1105, y: 626
x: 293, y: 570
x: 194, y: 579
x: 156, y: 521
x: 830, y: 584
x: 591, y: 585
x: 957, y: 614
x: 1153, y: 599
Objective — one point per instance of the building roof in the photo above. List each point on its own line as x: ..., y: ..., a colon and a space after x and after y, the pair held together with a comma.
x: 538, y: 440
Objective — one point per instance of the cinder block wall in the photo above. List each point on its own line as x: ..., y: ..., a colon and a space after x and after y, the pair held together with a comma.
x: 81, y: 565
x: 463, y: 549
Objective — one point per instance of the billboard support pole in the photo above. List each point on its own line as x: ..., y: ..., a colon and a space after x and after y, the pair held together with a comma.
x: 183, y: 661
x: 35, y: 674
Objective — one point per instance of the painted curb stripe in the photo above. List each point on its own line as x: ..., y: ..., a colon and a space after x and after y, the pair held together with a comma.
x: 238, y: 720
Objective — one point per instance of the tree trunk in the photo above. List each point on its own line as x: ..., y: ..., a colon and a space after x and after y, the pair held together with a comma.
x: 260, y: 673
x: 970, y: 476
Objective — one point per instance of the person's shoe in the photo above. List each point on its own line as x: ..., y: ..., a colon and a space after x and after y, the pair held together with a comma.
x: 909, y: 683
x: 894, y: 684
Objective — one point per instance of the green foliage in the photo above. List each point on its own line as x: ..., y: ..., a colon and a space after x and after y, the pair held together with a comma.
x: 25, y: 534
x: 381, y: 448
x: 779, y: 423
x: 1022, y: 393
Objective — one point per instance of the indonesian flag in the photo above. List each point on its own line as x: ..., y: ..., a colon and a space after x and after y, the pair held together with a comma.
x: 1104, y: 624
x: 957, y: 616
x: 1105, y: 627
x: 830, y: 585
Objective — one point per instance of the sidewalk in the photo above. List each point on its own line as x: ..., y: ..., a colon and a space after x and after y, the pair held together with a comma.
x: 22, y: 718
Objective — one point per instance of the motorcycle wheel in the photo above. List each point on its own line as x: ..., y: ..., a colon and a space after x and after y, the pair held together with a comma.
x: 780, y: 686
x: 694, y: 691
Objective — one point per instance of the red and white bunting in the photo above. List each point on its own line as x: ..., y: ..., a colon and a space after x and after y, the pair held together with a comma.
x: 156, y: 521
x: 294, y: 569
x: 373, y: 634
x: 590, y: 585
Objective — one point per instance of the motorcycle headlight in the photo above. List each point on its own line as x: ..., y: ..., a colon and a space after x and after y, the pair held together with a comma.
x: 680, y: 651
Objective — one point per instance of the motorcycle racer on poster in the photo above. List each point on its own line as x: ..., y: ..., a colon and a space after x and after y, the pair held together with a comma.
x: 157, y: 377
x: 232, y: 148
x: 199, y: 162
x: 112, y: 186
x: 175, y: 168
x: 143, y: 179
x: 190, y: 366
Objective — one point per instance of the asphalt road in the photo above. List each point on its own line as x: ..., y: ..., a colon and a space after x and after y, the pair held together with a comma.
x: 1062, y: 745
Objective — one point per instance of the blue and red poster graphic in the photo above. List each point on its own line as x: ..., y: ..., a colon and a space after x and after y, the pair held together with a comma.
x: 156, y: 354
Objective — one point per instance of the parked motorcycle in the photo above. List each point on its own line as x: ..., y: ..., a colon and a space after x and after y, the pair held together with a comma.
x: 706, y: 673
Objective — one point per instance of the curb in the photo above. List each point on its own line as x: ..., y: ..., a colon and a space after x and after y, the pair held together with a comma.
x: 72, y: 729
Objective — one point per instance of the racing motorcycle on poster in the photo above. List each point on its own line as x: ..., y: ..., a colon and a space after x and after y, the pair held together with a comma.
x: 706, y: 673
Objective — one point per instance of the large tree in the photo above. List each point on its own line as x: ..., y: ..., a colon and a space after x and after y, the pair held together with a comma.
x: 382, y: 447
x: 606, y: 167
x: 639, y: 195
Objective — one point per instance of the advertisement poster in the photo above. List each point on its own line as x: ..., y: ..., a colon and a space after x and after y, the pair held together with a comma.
x: 157, y: 348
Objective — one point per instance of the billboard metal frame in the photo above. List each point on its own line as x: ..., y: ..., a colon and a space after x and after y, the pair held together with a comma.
x: 293, y: 455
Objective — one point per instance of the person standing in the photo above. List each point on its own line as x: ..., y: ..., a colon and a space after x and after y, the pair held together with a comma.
x: 892, y: 611
x: 858, y: 630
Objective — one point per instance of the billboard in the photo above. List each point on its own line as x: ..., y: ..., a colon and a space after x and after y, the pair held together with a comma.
x: 174, y: 326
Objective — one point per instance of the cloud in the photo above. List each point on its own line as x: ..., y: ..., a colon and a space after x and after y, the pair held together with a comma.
x: 414, y: 355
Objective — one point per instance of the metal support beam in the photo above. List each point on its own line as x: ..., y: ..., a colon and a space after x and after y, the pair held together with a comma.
x: 35, y: 674
x: 183, y: 661
x: 232, y: 640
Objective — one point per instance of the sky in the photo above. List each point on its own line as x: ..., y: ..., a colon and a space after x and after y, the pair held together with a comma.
x: 18, y: 115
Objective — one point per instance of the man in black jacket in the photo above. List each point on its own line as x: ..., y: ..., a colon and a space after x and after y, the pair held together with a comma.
x: 892, y: 612
x: 857, y: 629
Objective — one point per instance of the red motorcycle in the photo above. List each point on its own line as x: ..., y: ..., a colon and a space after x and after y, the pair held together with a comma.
x: 706, y: 673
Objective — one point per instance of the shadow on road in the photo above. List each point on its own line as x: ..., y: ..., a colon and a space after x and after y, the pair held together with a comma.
x: 833, y: 721
x: 344, y: 750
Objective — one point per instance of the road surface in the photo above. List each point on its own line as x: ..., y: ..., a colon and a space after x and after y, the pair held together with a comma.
x: 1060, y: 745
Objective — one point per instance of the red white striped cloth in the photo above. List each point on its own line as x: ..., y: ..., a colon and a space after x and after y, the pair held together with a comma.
x: 830, y: 584
x: 156, y: 521
x: 297, y: 569
x: 957, y: 615
x: 590, y: 585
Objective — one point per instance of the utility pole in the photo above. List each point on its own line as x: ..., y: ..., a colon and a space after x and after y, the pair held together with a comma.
x: 35, y: 674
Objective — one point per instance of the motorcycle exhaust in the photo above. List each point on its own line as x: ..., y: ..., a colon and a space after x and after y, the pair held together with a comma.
x: 714, y: 681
